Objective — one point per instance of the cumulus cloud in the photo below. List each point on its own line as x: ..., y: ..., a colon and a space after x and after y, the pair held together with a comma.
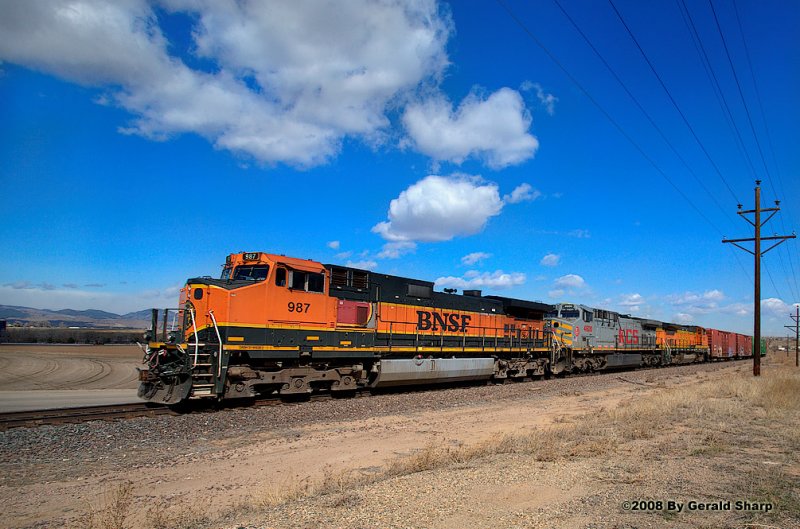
x: 439, y: 208
x: 522, y: 193
x: 333, y: 245
x: 393, y: 250
x: 366, y: 264
x: 695, y: 303
x: 494, y: 129
x: 550, y: 259
x: 474, y: 279
x: 474, y: 257
x: 683, y: 318
x: 566, y: 284
x: 632, y: 302
x: 777, y: 307
x: 570, y: 281
x: 286, y: 81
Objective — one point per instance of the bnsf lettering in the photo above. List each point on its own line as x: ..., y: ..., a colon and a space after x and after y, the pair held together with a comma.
x: 629, y: 336
x: 434, y: 321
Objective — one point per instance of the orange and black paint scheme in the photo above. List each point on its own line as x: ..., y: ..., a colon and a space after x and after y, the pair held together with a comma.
x: 273, y: 323
x: 277, y: 325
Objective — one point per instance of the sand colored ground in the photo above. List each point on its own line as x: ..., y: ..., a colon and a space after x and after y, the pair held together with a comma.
x: 230, y: 472
x: 43, y: 376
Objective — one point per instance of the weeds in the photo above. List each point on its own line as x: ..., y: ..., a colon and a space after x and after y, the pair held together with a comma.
x: 113, y: 511
x: 714, y: 406
x: 160, y: 516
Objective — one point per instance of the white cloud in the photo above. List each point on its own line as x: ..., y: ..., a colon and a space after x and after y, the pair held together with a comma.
x: 694, y: 303
x: 333, y: 245
x: 439, y: 208
x: 494, y: 129
x: 289, y: 81
x: 474, y: 279
x: 566, y: 284
x: 366, y: 264
x: 548, y: 101
x: 521, y: 193
x: 632, y: 302
x: 550, y: 259
x: 683, y: 318
x: 570, y: 281
x: 474, y: 257
x: 777, y: 307
x: 393, y: 250
x: 344, y: 255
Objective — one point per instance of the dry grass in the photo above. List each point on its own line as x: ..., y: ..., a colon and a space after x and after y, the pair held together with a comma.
x: 699, y: 418
x: 113, y: 512
x: 160, y: 516
x: 712, y: 419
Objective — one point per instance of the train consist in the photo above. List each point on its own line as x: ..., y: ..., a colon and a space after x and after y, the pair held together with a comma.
x: 275, y: 325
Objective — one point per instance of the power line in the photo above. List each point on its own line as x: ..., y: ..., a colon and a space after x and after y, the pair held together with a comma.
x: 639, y: 105
x: 672, y: 100
x: 603, y: 111
x: 741, y: 95
x: 712, y: 77
x: 758, y: 97
x: 759, y: 100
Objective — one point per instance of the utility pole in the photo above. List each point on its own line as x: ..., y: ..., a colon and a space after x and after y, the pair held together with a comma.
x: 796, y: 328
x: 757, y: 253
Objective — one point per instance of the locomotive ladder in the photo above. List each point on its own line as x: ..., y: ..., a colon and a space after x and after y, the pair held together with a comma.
x: 202, y: 376
x: 202, y: 368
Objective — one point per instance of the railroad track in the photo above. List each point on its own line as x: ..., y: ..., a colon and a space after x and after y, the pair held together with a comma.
x: 28, y: 419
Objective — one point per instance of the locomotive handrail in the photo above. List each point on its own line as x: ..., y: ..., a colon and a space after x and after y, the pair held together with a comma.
x: 196, y: 338
x: 219, y: 337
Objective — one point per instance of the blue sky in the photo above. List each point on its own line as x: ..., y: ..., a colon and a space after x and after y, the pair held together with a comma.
x: 141, y: 142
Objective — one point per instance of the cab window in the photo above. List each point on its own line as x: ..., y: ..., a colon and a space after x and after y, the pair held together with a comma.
x: 587, y: 315
x: 251, y: 272
x: 316, y: 282
x: 280, y: 277
x: 570, y: 313
x: 308, y: 281
x: 226, y: 273
x: 298, y: 280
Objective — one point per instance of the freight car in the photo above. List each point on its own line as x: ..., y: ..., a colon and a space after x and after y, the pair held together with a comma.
x: 276, y: 325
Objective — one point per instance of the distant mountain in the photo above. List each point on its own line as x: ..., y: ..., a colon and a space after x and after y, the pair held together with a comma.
x: 99, y: 319
x: 93, y: 314
x: 145, y: 314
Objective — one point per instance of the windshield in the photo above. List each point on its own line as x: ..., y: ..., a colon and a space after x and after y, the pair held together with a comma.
x: 226, y: 273
x: 570, y: 313
x: 251, y: 272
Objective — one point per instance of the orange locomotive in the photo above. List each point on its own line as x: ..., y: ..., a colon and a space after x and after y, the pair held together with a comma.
x: 278, y: 325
